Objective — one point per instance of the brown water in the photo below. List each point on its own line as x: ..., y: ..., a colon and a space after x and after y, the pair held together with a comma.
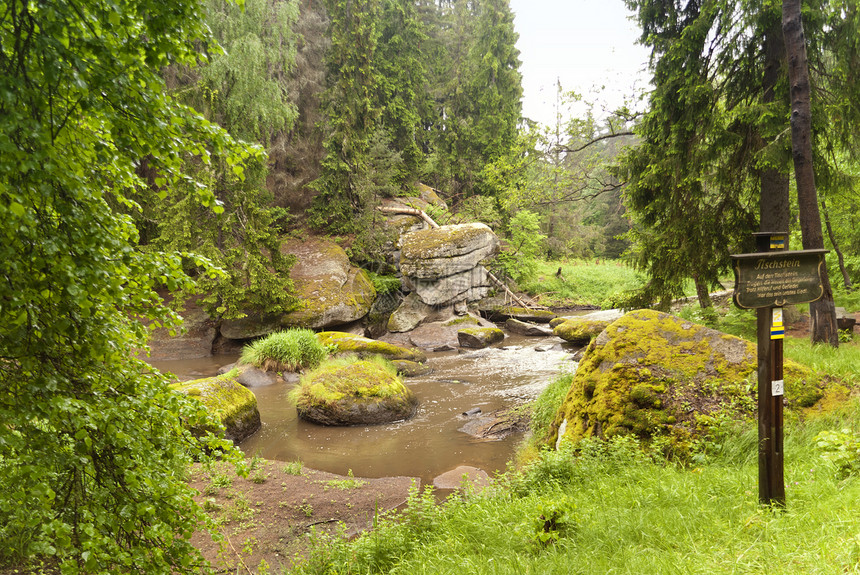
x: 426, y: 445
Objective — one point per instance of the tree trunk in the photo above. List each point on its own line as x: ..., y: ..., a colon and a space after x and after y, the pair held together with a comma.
x: 823, y: 311
x: 702, y: 292
x: 846, y: 279
x: 774, y: 209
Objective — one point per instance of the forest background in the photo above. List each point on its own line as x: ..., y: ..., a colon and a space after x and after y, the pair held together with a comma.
x: 356, y: 102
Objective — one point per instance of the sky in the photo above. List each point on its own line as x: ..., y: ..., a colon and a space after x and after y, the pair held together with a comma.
x: 587, y: 44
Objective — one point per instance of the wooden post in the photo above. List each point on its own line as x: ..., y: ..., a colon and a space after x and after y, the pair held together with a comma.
x: 771, y: 482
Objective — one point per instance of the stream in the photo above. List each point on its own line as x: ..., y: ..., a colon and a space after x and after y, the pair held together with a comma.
x: 429, y: 444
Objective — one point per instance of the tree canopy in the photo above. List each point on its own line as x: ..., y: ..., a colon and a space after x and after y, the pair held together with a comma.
x: 93, y: 446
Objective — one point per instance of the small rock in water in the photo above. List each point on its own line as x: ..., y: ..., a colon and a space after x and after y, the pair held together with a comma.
x: 473, y: 411
x: 462, y: 476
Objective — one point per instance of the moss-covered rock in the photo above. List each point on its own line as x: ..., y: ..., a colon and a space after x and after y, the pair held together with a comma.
x: 409, y: 314
x: 234, y: 404
x: 364, y: 346
x: 502, y: 313
x: 479, y: 337
x: 353, y: 392
x: 652, y: 374
x: 578, y: 330
x: 408, y: 368
x: 513, y: 325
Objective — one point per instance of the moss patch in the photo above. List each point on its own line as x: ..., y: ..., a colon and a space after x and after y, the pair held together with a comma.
x: 500, y: 313
x: 364, y: 346
x: 465, y: 320
x: 479, y: 337
x: 579, y: 331
x: 349, y: 391
x: 445, y: 241
x: 652, y: 374
x: 234, y: 404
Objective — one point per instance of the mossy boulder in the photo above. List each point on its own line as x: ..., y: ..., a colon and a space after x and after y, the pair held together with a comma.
x: 502, y: 313
x: 513, y: 325
x: 409, y: 314
x: 230, y: 401
x: 479, y: 337
x: 356, y: 392
x: 408, y: 368
x: 653, y: 374
x: 364, y: 346
x: 579, y: 330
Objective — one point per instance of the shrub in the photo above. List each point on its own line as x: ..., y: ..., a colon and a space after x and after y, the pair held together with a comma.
x: 842, y: 448
x: 289, y: 350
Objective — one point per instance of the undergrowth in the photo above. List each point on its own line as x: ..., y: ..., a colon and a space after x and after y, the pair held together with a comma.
x: 609, y: 507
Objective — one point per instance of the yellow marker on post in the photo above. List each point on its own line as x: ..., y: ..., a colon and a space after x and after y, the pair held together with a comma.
x: 777, y: 331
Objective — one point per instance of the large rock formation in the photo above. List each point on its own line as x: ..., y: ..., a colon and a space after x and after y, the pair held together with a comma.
x: 652, y: 374
x: 443, y: 265
x: 332, y: 292
x: 195, y: 340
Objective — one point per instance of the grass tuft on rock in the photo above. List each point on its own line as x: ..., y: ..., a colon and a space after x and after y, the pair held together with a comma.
x: 290, y: 350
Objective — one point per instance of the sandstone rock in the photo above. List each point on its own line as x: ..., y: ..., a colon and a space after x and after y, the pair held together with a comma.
x: 652, y: 374
x: 442, y: 265
x: 408, y: 368
x: 353, y: 393
x: 479, y: 337
x: 469, y: 285
x: 251, y: 326
x: 331, y: 291
x: 579, y: 330
x: 378, y: 318
x: 364, y: 347
x: 196, y: 341
x: 251, y: 376
x: 496, y: 425
x: 529, y: 329
x: 411, y: 312
x: 228, y: 400
x: 464, y: 475
x: 502, y: 313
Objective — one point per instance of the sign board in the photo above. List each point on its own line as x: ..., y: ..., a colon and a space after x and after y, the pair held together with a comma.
x: 776, y: 279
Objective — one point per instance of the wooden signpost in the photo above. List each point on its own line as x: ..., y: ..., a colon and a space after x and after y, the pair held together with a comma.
x: 766, y: 281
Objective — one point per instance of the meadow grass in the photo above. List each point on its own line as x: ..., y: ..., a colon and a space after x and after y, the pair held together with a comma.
x: 842, y: 362
x: 609, y: 508
x: 289, y: 350
x: 583, y: 282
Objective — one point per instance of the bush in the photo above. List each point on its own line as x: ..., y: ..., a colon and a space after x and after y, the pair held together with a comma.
x: 289, y: 350
x: 842, y: 448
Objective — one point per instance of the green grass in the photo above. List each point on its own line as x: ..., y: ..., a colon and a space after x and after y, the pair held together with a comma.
x: 842, y: 362
x: 582, y: 283
x: 612, y: 509
x: 289, y: 350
